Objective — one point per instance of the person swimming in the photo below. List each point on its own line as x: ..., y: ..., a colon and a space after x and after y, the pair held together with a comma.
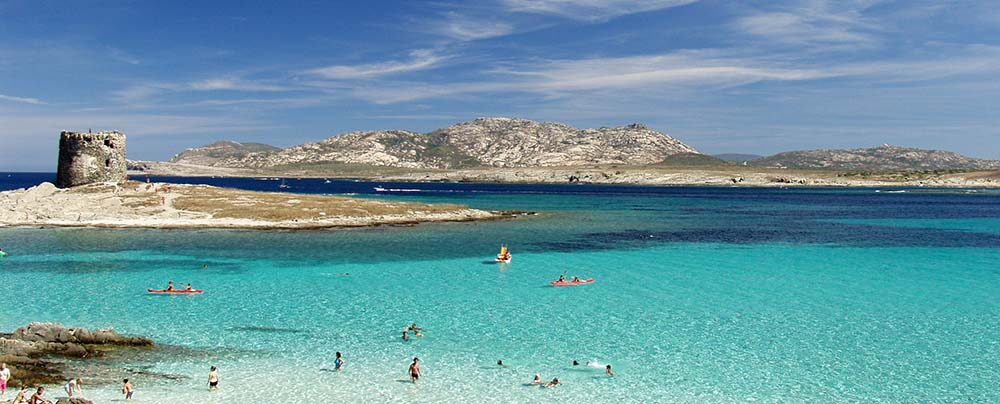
x: 406, y: 336
x: 500, y: 362
x: 537, y: 379
x: 575, y: 363
x: 553, y: 383
x: 607, y: 369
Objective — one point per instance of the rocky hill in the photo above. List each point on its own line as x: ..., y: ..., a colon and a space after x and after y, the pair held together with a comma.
x: 483, y: 142
x: 224, y: 149
x: 882, y: 158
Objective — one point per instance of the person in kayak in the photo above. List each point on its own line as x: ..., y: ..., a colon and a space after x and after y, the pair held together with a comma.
x: 170, y: 285
x: 415, y: 370
x: 576, y: 280
x: 189, y: 287
x: 562, y: 278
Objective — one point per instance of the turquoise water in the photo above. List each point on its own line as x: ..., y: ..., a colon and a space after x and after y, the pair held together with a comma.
x: 702, y: 295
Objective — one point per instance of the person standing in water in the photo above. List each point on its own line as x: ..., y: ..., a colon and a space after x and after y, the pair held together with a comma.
x: 339, y: 362
x: 4, y: 377
x: 213, y: 379
x: 415, y: 370
x: 127, y: 389
x: 607, y: 369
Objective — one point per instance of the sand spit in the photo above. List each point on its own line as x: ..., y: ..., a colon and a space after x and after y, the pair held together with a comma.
x: 162, y: 205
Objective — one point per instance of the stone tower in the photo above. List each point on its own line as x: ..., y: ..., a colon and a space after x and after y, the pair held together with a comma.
x: 86, y: 158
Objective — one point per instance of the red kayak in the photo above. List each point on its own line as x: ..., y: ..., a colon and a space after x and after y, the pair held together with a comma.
x: 572, y: 283
x: 174, y: 291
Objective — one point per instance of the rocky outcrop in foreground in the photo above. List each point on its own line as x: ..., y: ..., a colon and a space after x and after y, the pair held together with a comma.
x: 37, y: 353
x: 882, y: 158
x: 486, y: 142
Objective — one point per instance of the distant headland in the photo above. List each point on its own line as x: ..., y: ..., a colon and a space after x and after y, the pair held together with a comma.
x: 521, y: 150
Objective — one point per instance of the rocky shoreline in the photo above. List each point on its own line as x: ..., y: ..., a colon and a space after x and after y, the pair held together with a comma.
x: 162, y: 205
x: 51, y: 353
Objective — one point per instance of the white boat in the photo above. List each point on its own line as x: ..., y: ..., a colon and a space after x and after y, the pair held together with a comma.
x: 380, y: 189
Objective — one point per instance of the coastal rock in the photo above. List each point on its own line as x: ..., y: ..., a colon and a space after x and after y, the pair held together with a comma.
x: 74, y: 400
x: 58, y: 333
x: 86, y: 158
x: 37, y: 353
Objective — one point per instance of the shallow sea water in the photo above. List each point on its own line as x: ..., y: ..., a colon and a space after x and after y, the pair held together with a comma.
x: 703, y: 295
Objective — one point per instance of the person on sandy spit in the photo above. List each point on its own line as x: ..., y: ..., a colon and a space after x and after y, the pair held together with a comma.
x: 73, y: 388
x: 127, y: 389
x: 415, y: 370
x: 213, y: 379
x: 4, y: 377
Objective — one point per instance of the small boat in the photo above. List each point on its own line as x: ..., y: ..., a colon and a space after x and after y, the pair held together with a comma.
x: 283, y: 184
x: 572, y: 283
x: 504, y: 255
x: 3, y: 254
x: 326, y: 181
x: 380, y: 189
x: 182, y: 291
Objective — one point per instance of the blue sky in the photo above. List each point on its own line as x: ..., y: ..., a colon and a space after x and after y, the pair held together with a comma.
x: 724, y: 76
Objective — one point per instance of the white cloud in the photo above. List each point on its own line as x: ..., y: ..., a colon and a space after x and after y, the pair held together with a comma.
x: 233, y: 84
x: 421, y: 59
x: 124, y: 57
x: 23, y: 100
x: 814, y: 22
x: 466, y: 28
x: 591, y: 10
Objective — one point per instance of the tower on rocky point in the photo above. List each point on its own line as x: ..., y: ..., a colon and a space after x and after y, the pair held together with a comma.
x: 86, y: 158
